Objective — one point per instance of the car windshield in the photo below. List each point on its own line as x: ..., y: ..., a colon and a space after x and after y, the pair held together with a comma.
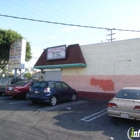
x: 5, y: 80
x: 15, y: 80
x: 128, y: 94
x: 21, y: 83
x: 40, y: 84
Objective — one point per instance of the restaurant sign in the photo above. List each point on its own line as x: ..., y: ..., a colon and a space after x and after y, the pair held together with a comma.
x: 17, y: 54
x: 58, y: 52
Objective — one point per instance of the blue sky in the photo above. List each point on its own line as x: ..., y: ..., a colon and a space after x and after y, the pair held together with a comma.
x: 122, y: 14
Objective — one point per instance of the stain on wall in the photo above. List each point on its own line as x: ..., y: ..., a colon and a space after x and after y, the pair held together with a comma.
x: 106, y: 85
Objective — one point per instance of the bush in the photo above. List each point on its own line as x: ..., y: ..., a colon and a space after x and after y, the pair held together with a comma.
x: 28, y: 75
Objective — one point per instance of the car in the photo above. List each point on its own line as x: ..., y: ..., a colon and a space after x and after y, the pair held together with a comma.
x: 125, y: 104
x: 19, y: 89
x: 4, y: 81
x: 51, y: 92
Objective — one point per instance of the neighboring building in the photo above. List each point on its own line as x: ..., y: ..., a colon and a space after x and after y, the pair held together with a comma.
x: 98, y: 70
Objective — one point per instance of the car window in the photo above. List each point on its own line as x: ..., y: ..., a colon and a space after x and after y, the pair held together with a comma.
x: 15, y: 80
x: 52, y: 85
x: 40, y: 84
x: 21, y: 83
x: 5, y: 80
x: 129, y: 94
x: 65, y: 86
x: 58, y: 85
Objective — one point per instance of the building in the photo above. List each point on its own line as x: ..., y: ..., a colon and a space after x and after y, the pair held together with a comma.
x: 96, y: 71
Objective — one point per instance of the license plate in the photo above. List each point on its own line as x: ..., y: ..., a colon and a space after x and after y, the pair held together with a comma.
x: 10, y: 88
x: 36, y: 92
x: 124, y: 115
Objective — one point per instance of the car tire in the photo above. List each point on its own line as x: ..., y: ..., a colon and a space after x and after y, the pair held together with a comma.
x: 74, y: 97
x: 53, y: 101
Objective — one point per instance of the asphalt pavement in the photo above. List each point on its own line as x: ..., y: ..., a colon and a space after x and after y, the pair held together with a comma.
x: 21, y: 119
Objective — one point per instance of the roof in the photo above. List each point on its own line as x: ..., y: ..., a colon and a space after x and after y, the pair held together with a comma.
x: 74, y: 58
x: 135, y: 88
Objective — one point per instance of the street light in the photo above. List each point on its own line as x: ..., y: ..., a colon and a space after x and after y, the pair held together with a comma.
x: 114, y: 70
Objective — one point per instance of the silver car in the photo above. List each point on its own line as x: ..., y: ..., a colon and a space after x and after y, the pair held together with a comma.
x: 126, y: 104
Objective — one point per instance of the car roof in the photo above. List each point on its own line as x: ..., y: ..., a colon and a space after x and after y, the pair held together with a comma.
x: 134, y: 88
x: 49, y: 81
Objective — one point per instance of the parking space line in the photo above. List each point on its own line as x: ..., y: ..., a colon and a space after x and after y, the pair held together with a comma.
x: 18, y: 102
x: 94, y: 116
x: 62, y: 105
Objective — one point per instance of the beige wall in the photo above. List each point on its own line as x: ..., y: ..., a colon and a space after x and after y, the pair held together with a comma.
x: 106, y: 63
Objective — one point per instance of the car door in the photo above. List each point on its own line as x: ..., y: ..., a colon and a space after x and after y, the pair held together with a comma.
x: 60, y: 91
x: 26, y: 89
x: 67, y: 92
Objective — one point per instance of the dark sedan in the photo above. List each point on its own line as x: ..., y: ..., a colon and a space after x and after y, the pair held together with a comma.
x: 51, y: 92
x: 19, y: 89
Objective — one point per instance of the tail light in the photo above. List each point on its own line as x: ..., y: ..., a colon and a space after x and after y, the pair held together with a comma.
x: 46, y: 90
x: 137, y: 108
x: 112, y: 105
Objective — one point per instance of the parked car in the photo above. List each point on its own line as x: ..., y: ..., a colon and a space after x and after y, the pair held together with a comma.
x: 4, y: 81
x: 126, y: 104
x: 19, y: 89
x: 51, y: 92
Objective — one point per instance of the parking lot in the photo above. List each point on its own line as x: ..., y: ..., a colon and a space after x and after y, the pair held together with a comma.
x: 21, y: 119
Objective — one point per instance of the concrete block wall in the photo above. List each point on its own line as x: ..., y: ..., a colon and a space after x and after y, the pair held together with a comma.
x: 108, y: 67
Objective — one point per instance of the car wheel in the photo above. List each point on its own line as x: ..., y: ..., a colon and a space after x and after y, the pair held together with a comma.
x: 53, y: 101
x: 74, y: 97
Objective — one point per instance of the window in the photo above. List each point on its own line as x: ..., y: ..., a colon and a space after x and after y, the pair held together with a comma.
x: 21, y: 83
x: 40, y: 84
x: 58, y: 85
x: 52, y: 86
x: 129, y: 94
x: 65, y: 86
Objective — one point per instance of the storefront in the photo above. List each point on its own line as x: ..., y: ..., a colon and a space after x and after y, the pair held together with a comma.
x: 96, y: 71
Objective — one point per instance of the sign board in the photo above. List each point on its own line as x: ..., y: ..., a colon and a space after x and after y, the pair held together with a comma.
x: 58, y: 52
x: 17, y: 54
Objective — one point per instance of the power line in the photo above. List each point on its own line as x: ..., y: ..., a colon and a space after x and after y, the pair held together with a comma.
x: 84, y: 26
x: 59, y: 11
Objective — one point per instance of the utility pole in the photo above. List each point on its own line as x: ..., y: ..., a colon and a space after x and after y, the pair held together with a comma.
x: 111, y: 35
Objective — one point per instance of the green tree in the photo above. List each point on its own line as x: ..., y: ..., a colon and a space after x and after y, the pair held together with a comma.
x: 6, y: 38
x: 28, y: 75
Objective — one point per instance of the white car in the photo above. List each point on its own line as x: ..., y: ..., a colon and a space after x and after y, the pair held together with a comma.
x: 126, y: 104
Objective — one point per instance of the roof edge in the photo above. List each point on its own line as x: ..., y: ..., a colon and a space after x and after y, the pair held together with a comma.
x: 61, y: 66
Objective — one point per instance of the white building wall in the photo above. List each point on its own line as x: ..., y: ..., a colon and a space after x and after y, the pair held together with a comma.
x: 108, y: 68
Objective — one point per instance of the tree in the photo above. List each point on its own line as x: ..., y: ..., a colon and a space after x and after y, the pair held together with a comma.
x: 28, y: 75
x: 6, y: 38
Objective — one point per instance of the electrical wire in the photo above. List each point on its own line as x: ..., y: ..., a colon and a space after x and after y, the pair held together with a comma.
x: 62, y: 13
x: 60, y: 23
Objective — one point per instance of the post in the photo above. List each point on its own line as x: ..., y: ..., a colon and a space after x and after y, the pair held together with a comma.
x: 15, y: 75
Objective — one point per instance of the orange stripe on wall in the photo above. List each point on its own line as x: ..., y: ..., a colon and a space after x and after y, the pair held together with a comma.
x: 106, y: 85
x: 102, y: 83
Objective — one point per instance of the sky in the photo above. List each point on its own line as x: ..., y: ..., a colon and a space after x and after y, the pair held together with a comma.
x: 119, y: 14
